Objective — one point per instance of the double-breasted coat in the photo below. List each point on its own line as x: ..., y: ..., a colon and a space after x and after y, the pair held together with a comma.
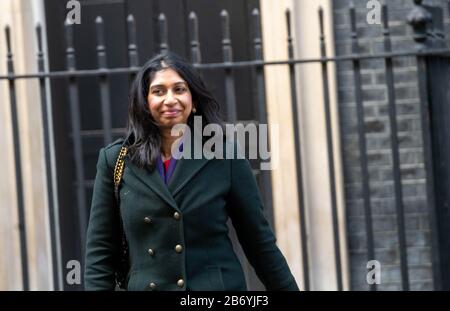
x: 177, y: 233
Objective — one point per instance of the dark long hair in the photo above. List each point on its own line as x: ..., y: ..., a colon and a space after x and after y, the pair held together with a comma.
x: 143, y: 135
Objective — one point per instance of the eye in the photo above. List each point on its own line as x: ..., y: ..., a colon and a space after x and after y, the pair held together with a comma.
x: 158, y: 92
x: 180, y: 89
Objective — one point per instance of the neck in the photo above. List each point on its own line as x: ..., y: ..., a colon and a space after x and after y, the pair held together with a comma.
x: 166, y: 143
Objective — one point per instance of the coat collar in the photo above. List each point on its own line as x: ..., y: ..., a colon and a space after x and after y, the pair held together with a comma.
x: 152, y: 180
x: 185, y: 170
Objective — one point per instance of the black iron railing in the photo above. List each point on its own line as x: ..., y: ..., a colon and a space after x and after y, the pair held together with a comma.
x: 432, y: 60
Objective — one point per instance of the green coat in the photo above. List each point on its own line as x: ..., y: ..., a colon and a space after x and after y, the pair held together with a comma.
x: 178, y: 234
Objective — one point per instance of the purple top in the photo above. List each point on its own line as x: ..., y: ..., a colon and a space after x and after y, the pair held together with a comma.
x: 166, y: 174
x: 166, y: 171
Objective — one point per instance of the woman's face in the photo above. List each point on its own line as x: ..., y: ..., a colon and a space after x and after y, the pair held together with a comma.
x: 169, y: 99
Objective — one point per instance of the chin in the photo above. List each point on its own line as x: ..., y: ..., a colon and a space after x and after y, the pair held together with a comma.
x: 172, y: 122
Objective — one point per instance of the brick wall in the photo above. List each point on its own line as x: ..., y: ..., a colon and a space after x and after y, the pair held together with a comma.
x: 379, y: 149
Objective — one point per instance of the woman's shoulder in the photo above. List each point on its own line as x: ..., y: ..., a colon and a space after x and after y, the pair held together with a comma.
x: 114, y: 145
x: 112, y: 150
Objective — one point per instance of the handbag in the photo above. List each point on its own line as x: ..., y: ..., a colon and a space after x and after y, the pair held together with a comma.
x: 123, y: 262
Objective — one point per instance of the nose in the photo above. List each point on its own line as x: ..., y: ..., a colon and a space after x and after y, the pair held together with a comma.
x: 170, y: 98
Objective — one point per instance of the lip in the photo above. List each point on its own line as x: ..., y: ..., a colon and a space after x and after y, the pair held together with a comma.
x: 171, y: 112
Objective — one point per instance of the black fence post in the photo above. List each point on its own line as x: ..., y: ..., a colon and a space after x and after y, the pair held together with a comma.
x: 365, y: 179
x: 261, y: 106
x: 298, y: 158
x: 398, y: 190
x: 76, y: 136
x: 18, y: 165
x: 330, y: 147
x: 53, y: 215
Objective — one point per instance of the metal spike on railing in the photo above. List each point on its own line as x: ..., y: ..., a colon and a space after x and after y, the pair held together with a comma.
x: 133, y: 56
x: 9, y: 54
x: 352, y: 12
x: 321, y: 23
x: 257, y: 41
x: 227, y: 49
x: 227, y: 54
x: 351, y: 4
x: 288, y: 23
x: 195, y: 43
x: 289, y: 34
x: 8, y: 39
x: 101, y: 52
x: 386, y: 30
x: 323, y: 46
x: 163, y: 32
x: 104, y: 83
x: 354, y: 32
x: 70, y: 50
x: 40, y: 54
x: 384, y: 14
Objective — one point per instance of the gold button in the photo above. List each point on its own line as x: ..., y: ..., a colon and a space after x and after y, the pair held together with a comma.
x: 176, y: 215
x: 152, y: 286
x: 180, y: 283
x: 178, y: 248
x: 147, y: 220
x: 151, y: 252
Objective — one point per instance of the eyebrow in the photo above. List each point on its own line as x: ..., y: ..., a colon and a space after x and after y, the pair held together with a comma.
x: 162, y: 85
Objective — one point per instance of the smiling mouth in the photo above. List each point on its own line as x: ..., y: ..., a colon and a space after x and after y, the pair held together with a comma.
x: 171, y: 113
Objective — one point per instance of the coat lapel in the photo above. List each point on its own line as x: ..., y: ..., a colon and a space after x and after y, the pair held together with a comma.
x: 186, y: 168
x: 153, y: 181
x: 184, y: 171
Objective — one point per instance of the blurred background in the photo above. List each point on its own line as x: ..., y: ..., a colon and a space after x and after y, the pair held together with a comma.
x: 360, y: 92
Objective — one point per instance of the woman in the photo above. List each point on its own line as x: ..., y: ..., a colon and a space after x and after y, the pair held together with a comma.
x: 174, y: 212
